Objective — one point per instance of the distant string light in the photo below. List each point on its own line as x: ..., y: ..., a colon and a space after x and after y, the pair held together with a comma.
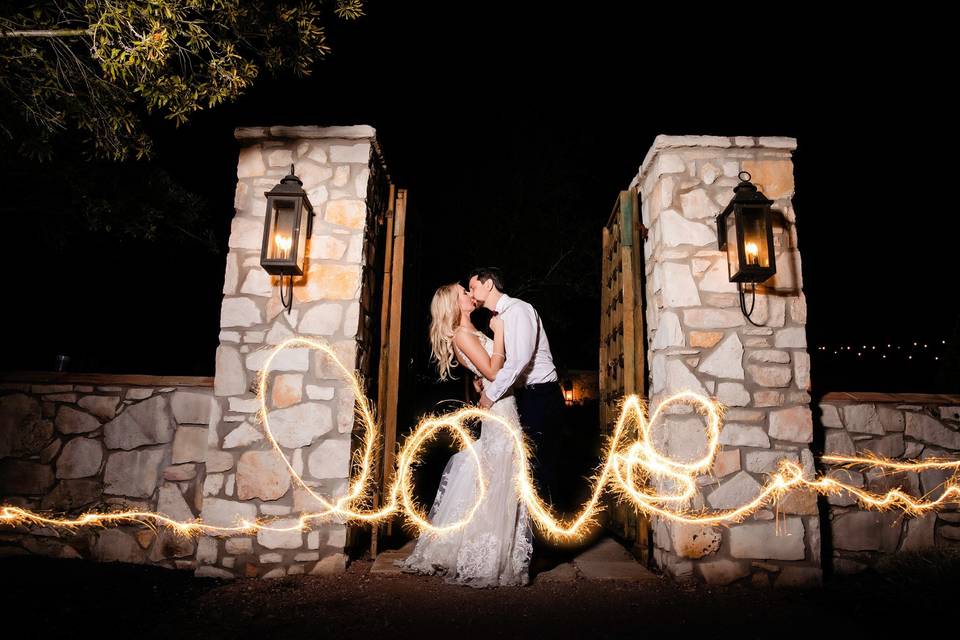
x: 914, y: 348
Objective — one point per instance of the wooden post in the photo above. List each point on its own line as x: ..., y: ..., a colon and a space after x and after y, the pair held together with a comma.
x: 393, y: 377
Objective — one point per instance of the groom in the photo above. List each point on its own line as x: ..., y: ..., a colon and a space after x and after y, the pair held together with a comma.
x: 528, y: 372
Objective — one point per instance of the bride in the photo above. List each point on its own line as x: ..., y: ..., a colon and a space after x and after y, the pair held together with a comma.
x: 494, y: 547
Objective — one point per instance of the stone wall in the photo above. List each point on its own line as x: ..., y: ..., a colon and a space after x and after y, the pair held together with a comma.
x: 74, y: 446
x: 908, y: 426
x: 698, y: 339
x: 311, y: 409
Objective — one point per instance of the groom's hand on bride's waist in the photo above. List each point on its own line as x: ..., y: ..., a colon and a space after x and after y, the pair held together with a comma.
x: 485, y: 402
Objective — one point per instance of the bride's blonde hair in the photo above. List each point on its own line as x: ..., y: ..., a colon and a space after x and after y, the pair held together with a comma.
x: 444, y: 320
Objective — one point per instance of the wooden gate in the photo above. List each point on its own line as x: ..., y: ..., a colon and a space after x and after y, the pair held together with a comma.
x: 623, y: 344
x: 389, y: 363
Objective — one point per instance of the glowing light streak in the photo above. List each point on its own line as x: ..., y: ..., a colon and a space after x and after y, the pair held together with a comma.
x: 632, y: 470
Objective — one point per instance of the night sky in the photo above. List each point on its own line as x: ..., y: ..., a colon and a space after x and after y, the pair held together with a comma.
x: 513, y: 136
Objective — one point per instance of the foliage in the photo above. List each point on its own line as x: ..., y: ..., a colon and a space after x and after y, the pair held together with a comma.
x: 97, y: 65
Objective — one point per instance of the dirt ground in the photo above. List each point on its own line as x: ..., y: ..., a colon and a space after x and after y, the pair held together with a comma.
x: 108, y: 599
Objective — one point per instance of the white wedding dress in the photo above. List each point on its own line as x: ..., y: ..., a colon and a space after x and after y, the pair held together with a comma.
x: 494, y: 547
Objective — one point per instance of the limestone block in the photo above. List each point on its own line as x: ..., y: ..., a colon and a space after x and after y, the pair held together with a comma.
x: 862, y: 418
x: 145, y: 423
x: 697, y: 203
x: 706, y: 318
x: 926, y: 429
x: 133, y: 473
x: 102, y: 406
x: 679, y: 289
x: 171, y: 503
x: 741, y: 435
x: 227, y: 513
x: 81, y: 458
x: 768, y: 461
x: 705, y: 339
x: 262, y: 474
x: 351, y: 214
x: 677, y: 230
x: 286, y: 390
x: 327, y: 248
x: 189, y: 445
x: 694, y: 541
x: 770, y: 376
x: 359, y: 152
x: 258, y: 283
x: 325, y: 281
x: 231, y: 376
x: 292, y: 539
x: 116, y: 545
x: 793, y: 425
x: 782, y: 540
x: 250, y: 164
x: 288, y: 359
x: 323, y: 319
x: 330, y: 459
x: 300, y: 425
x: 69, y: 420
x: 246, y: 233
x: 733, y: 394
x: 726, y: 361
x: 240, y: 312
x: 735, y: 492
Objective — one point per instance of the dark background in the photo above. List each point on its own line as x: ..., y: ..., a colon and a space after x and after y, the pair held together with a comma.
x: 513, y: 135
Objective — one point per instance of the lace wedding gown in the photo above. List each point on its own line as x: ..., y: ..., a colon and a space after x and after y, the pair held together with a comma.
x: 494, y: 547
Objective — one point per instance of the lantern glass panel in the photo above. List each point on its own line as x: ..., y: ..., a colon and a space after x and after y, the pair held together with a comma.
x: 283, y: 219
x: 756, y: 253
x: 733, y: 248
x: 302, y: 218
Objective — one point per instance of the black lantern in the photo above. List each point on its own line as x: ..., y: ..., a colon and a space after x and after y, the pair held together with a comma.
x: 745, y: 231
x: 286, y: 228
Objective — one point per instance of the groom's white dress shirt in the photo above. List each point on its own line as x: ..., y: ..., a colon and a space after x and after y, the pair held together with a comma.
x: 528, y: 359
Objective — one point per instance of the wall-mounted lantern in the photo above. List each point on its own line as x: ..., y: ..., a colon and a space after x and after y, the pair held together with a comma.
x: 568, y: 392
x: 287, y: 226
x: 745, y: 232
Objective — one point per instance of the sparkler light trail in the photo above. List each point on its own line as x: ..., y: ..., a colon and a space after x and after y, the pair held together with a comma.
x: 637, y: 471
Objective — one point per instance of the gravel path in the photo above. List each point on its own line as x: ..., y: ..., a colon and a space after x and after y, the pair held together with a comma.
x: 151, y: 602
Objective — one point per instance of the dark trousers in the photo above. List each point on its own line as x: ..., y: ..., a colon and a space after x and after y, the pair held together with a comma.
x: 541, y: 410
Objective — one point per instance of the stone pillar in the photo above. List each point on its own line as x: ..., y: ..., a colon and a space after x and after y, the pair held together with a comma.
x: 699, y: 340
x: 311, y: 407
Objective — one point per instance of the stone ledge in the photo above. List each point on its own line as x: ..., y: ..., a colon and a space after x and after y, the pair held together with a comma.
x: 68, y: 377
x: 898, y: 398
x: 350, y: 132
x: 663, y: 141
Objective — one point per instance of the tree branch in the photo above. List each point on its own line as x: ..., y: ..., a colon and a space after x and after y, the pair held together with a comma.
x: 47, y: 33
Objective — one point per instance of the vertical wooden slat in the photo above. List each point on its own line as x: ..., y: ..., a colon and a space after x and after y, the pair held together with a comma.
x: 639, y: 324
x: 604, y: 326
x: 393, y: 377
x: 384, y: 353
x: 627, y: 310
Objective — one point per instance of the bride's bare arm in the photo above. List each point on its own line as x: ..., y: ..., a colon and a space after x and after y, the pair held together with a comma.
x: 470, y: 345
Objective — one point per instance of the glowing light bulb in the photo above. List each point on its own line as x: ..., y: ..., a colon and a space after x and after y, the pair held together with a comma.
x: 283, y: 245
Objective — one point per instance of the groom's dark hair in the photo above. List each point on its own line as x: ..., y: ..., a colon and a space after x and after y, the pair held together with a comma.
x: 489, y: 273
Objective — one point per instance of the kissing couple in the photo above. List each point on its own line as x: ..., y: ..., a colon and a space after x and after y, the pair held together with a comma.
x: 518, y: 383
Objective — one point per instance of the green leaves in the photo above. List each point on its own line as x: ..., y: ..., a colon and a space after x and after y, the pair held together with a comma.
x: 172, y: 57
